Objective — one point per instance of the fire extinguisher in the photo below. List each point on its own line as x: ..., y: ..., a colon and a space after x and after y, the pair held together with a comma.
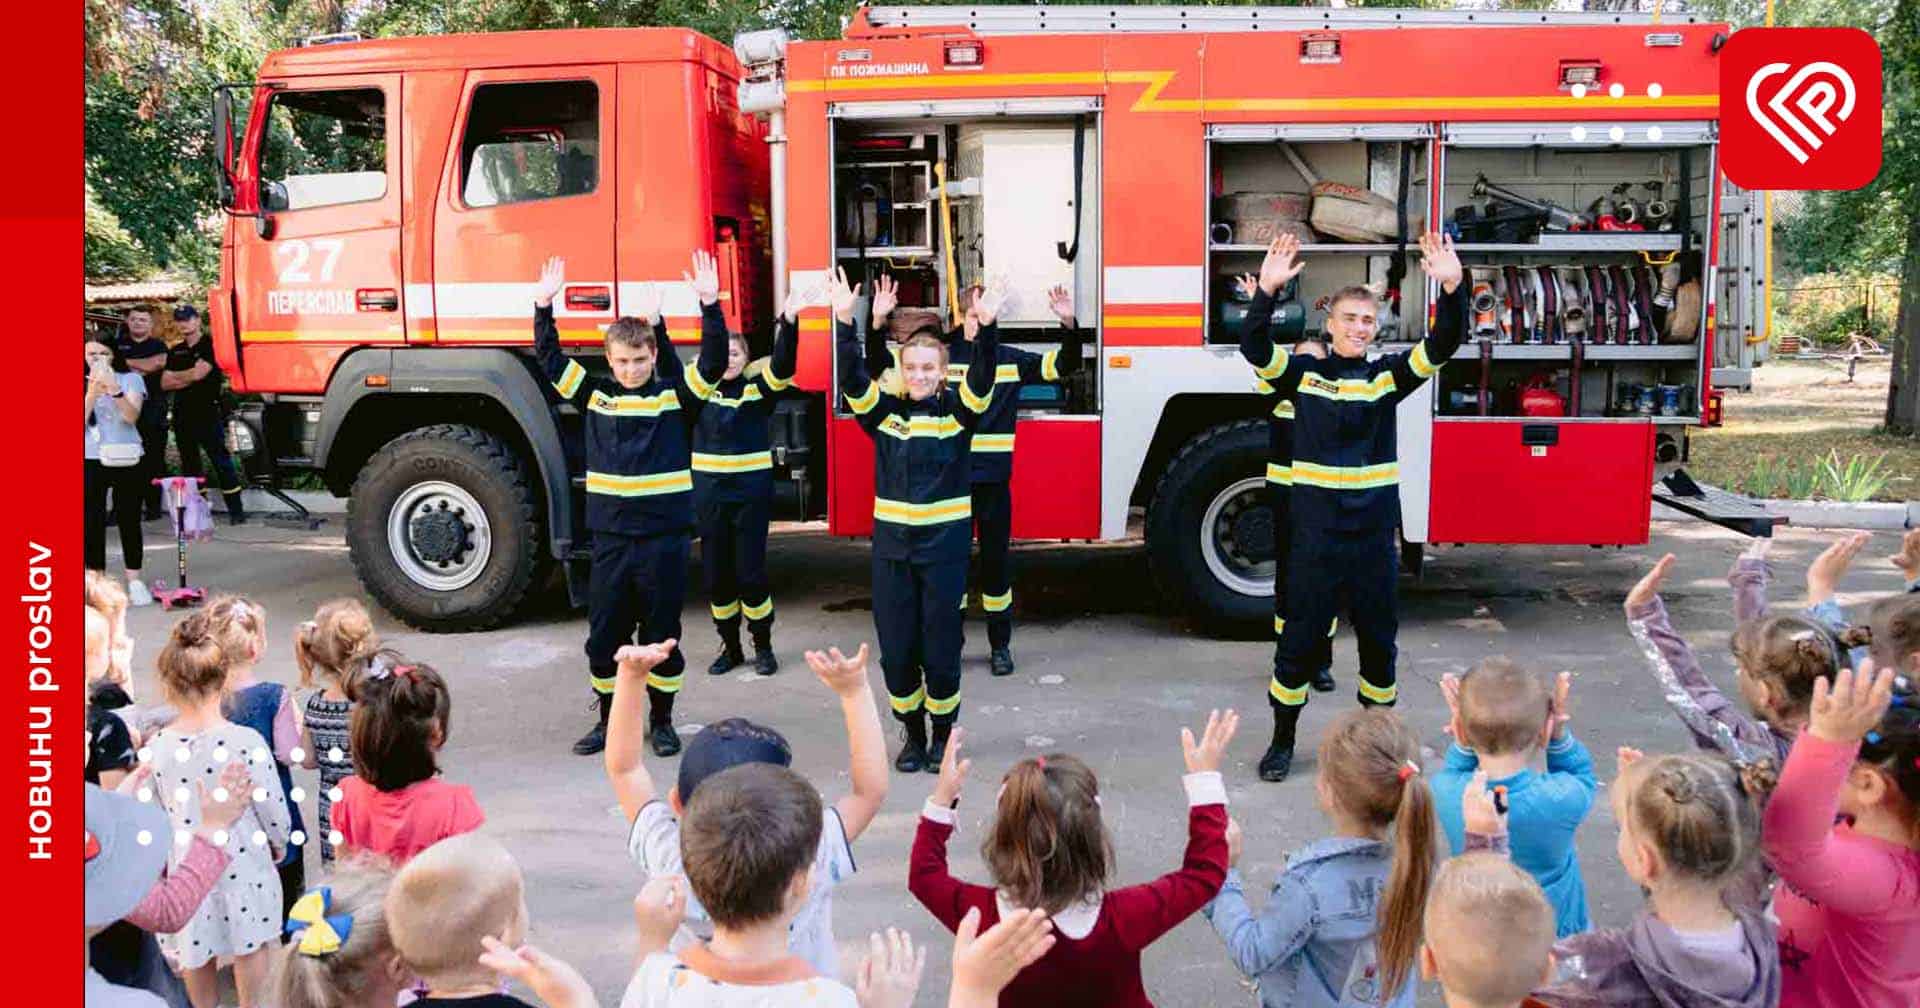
x: 1538, y: 398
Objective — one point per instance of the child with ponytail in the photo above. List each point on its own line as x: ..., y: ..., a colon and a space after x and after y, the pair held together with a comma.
x: 331, y: 649
x: 240, y: 626
x: 1048, y: 850
x: 1343, y: 924
x: 350, y: 962
x: 396, y: 804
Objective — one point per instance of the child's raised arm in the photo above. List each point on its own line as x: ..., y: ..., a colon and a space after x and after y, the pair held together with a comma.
x: 928, y: 877
x: 1570, y: 778
x: 867, y: 763
x: 1143, y: 913
x: 1823, y: 580
x: 1714, y: 721
x: 1748, y: 578
x: 627, y: 726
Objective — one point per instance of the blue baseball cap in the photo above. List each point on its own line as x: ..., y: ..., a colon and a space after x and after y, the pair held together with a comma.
x: 729, y: 743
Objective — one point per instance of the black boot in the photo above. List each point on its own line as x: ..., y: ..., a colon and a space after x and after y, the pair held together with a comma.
x: 913, y: 751
x: 937, y: 746
x: 1323, y: 680
x: 1000, y: 662
x: 730, y: 657
x: 596, y: 737
x: 660, y: 733
x: 764, y: 663
x: 1278, y: 761
x: 236, y: 511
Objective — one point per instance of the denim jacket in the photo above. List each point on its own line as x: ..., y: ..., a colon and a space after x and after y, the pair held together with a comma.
x: 1311, y: 945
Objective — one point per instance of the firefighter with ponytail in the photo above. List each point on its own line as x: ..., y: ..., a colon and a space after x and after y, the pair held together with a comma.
x: 1343, y: 550
x: 922, y: 512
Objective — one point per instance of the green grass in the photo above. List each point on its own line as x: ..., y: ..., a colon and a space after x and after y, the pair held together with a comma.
x: 1801, y: 418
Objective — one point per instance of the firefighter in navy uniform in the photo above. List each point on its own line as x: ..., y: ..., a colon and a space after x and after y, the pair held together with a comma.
x: 733, y: 481
x: 922, y: 513
x: 1344, y: 550
x: 639, y: 488
x: 991, y: 468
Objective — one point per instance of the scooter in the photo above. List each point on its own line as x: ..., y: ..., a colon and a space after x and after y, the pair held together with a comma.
x: 175, y: 489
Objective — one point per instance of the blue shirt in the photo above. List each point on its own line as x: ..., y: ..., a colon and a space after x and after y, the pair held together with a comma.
x: 1543, y: 813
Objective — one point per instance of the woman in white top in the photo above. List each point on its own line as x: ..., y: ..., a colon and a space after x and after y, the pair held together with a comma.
x: 114, y: 395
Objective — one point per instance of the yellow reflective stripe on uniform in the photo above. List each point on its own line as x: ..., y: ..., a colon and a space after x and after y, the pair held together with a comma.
x: 1422, y: 363
x: 996, y: 603
x: 1262, y: 386
x: 774, y: 381
x: 931, y: 513
x: 974, y: 403
x: 938, y: 706
x: 1280, y: 625
x: 600, y: 684
x: 749, y: 394
x: 1349, y: 389
x: 1050, y: 365
x: 910, y: 703
x: 678, y: 481
x: 724, y: 612
x: 750, y: 462
x: 665, y: 684
x: 758, y: 612
x: 700, y: 387
x: 1345, y: 477
x: 634, y: 405
x: 1284, y: 410
x: 865, y: 401
x: 993, y: 442
x: 1378, y: 694
x: 570, y: 379
x: 1290, y: 697
x: 1275, y: 364
x: 921, y: 426
x: 1277, y: 473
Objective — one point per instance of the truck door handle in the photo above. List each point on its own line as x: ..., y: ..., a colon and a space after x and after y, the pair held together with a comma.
x: 1540, y: 435
x: 595, y: 298
x: 376, y: 299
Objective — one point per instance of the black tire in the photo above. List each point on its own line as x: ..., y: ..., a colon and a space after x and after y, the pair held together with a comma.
x: 488, y: 472
x: 1212, y: 464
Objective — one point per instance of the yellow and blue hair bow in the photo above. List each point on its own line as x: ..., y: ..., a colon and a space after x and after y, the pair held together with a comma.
x: 318, y: 933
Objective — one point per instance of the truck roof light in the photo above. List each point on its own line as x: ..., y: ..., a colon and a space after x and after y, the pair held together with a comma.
x: 966, y: 54
x: 332, y: 39
x: 1585, y: 73
x: 1320, y: 47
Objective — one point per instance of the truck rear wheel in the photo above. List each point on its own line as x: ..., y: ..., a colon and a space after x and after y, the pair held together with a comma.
x: 1210, y: 535
x: 442, y: 531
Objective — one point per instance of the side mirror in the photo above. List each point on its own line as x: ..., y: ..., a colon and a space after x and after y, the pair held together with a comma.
x: 223, y: 145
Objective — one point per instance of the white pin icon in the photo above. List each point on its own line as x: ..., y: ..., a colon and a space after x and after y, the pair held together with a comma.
x: 1811, y: 102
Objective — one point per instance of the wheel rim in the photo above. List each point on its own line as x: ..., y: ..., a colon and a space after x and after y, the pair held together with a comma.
x: 439, y: 536
x: 1231, y: 537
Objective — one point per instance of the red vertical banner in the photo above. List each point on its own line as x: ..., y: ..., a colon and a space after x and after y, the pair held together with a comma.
x: 42, y: 729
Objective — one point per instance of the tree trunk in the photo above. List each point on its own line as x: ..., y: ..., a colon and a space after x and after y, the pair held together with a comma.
x: 1903, y: 392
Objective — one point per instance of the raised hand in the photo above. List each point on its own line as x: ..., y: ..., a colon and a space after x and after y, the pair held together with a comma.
x: 799, y: 300
x: 1824, y: 574
x: 886, y: 297
x: 988, y: 303
x: 1624, y: 757
x: 953, y: 771
x: 1440, y: 261
x: 705, y: 278
x: 1478, y: 812
x: 1908, y: 559
x: 1557, y: 712
x: 636, y: 660
x: 842, y: 296
x: 1235, y: 842
x: 1246, y: 284
x: 1648, y: 587
x: 843, y: 675
x: 1450, y: 691
x: 1212, y: 747
x: 646, y: 303
x: 658, y: 910
x: 555, y: 982
x: 553, y: 276
x: 984, y: 964
x: 1852, y: 704
x: 1282, y: 263
x: 1060, y: 299
x: 889, y: 977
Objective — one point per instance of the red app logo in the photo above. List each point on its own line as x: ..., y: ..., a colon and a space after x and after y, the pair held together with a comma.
x: 1800, y: 108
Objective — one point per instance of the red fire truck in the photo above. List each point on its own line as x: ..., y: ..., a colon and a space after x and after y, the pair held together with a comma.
x: 390, y: 201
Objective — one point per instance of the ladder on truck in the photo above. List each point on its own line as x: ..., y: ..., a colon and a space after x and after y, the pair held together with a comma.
x: 1089, y: 19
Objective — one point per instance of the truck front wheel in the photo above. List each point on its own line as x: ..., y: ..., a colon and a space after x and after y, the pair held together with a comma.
x: 442, y: 531
x: 1210, y: 532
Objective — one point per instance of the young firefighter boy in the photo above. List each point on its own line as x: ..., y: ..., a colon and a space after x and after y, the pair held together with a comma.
x: 991, y: 465
x: 1345, y: 466
x: 639, y: 487
x: 922, y: 514
x: 733, y: 481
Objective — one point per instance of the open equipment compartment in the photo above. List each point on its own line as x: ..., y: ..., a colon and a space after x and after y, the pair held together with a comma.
x: 1565, y: 397
x: 1262, y: 181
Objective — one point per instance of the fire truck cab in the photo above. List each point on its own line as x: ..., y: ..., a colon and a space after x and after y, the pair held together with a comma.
x: 392, y: 200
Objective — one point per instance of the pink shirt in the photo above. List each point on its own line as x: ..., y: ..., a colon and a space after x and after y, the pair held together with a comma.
x: 173, y: 901
x: 400, y: 824
x: 1850, y: 909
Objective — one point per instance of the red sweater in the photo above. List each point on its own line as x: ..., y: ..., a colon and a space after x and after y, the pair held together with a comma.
x: 1103, y: 968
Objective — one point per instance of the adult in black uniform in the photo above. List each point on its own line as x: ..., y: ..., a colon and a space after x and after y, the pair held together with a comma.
x: 146, y: 356
x: 1345, y: 468
x: 639, y: 487
x: 193, y: 377
x: 921, y: 513
x: 991, y: 466
x: 733, y: 482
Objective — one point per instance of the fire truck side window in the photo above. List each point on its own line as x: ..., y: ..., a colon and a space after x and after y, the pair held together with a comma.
x: 324, y: 148
x: 530, y: 141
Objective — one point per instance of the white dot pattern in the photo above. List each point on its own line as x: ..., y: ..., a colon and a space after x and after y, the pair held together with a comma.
x: 298, y: 838
x: 145, y: 755
x: 260, y: 794
x: 336, y: 756
x: 259, y: 838
x: 221, y: 794
x: 298, y: 794
x: 1653, y: 90
x: 1654, y: 133
x: 1579, y: 132
x: 220, y: 754
x: 1618, y: 90
x: 298, y: 755
x: 258, y: 755
x: 219, y: 838
x: 145, y: 794
x: 182, y: 837
x: 1616, y: 134
x: 335, y: 838
x: 182, y: 754
x: 181, y: 794
x: 1579, y: 90
x: 143, y: 838
x: 335, y: 794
